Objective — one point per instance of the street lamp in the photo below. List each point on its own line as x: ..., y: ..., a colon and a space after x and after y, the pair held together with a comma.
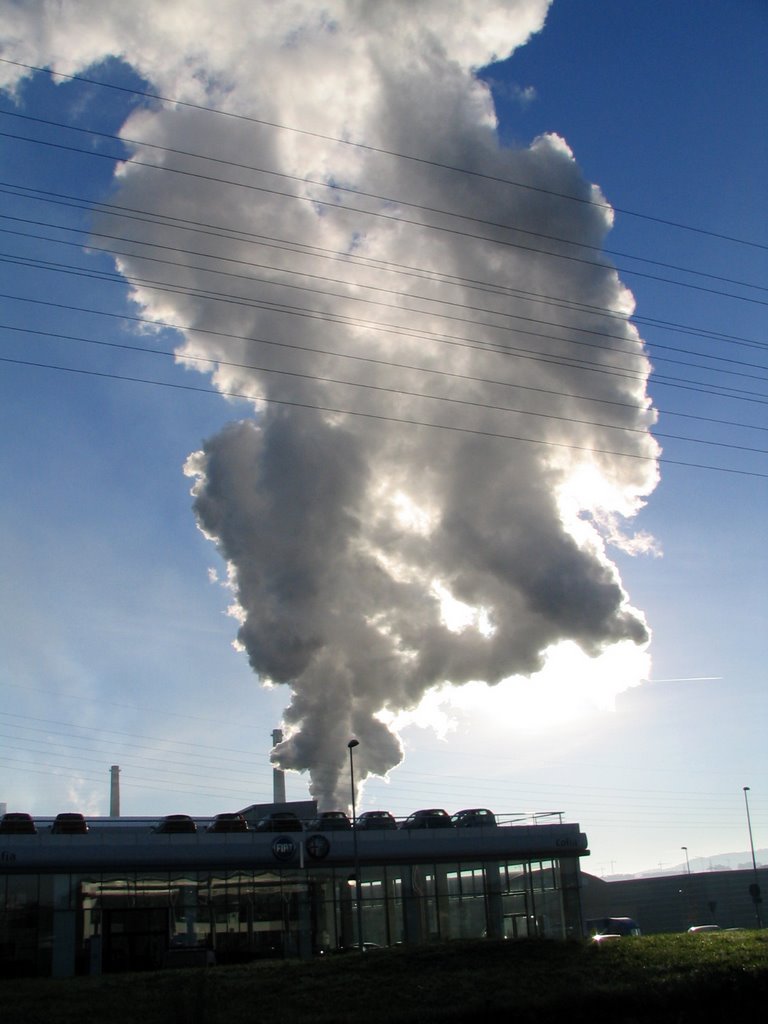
x: 754, y: 889
x: 358, y: 887
x: 687, y: 862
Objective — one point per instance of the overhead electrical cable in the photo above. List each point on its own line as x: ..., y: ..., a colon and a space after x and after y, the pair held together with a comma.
x: 357, y: 258
x: 470, y: 172
x: 139, y: 784
x: 144, y: 710
x: 503, y: 352
x: 382, y: 418
x: 272, y: 282
x: 380, y: 214
x: 515, y: 385
x: 144, y: 760
x: 571, y: 362
x: 402, y: 392
x: 336, y: 187
x: 195, y: 746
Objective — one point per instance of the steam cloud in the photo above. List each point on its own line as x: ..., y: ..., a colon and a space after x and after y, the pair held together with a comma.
x: 348, y: 537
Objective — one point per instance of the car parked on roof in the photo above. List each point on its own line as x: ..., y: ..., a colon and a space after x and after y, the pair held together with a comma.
x: 278, y: 821
x: 228, y: 823
x: 176, y: 823
x: 69, y: 823
x: 17, y: 823
x: 430, y: 817
x: 599, y: 927
x: 329, y: 821
x: 369, y: 821
x: 473, y: 817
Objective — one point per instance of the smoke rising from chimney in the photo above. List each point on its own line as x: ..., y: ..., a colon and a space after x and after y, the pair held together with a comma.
x: 427, y: 423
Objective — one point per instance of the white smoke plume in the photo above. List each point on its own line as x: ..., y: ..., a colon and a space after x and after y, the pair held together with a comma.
x: 414, y: 307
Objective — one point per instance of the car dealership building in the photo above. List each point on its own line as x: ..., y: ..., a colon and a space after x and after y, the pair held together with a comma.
x: 125, y: 896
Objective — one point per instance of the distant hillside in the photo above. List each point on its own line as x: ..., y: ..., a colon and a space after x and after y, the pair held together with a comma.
x: 717, y: 862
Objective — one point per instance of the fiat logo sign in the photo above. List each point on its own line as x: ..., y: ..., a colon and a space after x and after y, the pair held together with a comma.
x: 283, y: 848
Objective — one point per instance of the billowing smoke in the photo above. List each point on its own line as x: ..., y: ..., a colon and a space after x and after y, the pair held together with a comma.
x: 442, y: 413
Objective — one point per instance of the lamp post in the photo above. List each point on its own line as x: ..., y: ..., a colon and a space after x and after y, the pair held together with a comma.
x: 754, y: 889
x: 687, y: 862
x: 358, y: 887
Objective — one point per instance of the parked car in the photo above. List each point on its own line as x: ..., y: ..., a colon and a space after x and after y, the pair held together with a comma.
x: 69, y: 823
x: 278, y: 821
x: 696, y: 928
x: 228, y: 823
x: 599, y: 927
x: 329, y: 821
x: 17, y: 823
x: 431, y: 817
x: 368, y: 947
x: 370, y: 820
x: 474, y: 817
x: 175, y: 823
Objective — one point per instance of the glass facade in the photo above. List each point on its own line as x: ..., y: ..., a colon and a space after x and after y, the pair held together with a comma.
x: 88, y: 922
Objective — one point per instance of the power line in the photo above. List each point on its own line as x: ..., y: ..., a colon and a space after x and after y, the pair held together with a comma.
x: 387, y: 419
x: 470, y: 172
x: 621, y: 807
x: 354, y: 258
x: 195, y: 790
x: 572, y: 363
x: 129, y: 707
x: 385, y: 390
x: 379, y: 214
x: 165, y: 740
x: 590, y: 332
x: 145, y: 762
x: 658, y: 795
x: 516, y: 385
x: 336, y: 187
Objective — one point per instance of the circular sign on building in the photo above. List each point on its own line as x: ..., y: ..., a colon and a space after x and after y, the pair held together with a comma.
x: 283, y: 848
x: 317, y: 847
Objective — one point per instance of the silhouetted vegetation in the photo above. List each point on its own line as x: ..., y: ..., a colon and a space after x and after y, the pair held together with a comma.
x: 660, y: 979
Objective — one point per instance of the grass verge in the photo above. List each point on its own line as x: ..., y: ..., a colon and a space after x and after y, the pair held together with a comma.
x: 660, y: 979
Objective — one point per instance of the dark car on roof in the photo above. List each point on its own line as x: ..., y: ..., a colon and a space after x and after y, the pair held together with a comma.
x: 176, y: 823
x: 228, y: 823
x: 430, y: 817
x: 278, y: 821
x: 69, y: 823
x: 330, y: 821
x: 370, y: 820
x: 473, y: 817
x: 17, y: 823
x: 602, y: 927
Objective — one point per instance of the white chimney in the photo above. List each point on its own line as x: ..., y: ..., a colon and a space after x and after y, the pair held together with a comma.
x: 114, y: 792
x: 278, y: 775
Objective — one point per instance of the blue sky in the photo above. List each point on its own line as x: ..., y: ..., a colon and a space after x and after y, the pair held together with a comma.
x: 118, y: 648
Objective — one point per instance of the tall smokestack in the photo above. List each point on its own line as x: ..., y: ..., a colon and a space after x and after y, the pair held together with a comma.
x: 278, y: 775
x: 114, y: 791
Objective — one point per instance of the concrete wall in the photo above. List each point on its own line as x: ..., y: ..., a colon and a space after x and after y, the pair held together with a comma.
x: 673, y: 903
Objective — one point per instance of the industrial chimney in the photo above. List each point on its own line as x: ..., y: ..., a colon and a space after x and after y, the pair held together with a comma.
x: 278, y: 775
x: 114, y: 792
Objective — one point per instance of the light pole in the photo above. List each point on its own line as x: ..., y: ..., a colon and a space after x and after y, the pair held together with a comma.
x: 358, y: 887
x: 687, y: 862
x: 754, y: 889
